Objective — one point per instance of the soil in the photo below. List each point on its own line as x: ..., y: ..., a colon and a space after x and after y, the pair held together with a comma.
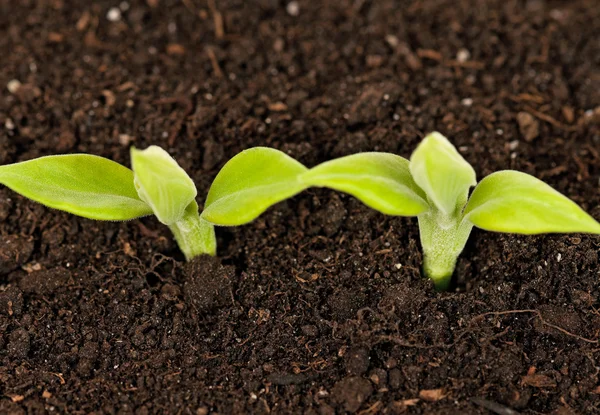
x: 318, y: 307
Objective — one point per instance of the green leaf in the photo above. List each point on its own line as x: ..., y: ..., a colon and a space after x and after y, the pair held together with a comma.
x: 249, y: 184
x: 515, y: 202
x: 381, y: 181
x: 82, y: 184
x: 162, y: 183
x: 444, y: 175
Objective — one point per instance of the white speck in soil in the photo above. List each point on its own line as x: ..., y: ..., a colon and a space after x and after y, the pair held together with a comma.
x: 467, y: 102
x: 558, y: 257
x: 513, y: 145
x: 113, y: 14
x: 463, y: 55
x: 13, y: 86
x: 293, y: 8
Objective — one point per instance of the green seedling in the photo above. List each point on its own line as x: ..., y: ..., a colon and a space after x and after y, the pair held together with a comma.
x: 434, y: 186
x: 97, y: 188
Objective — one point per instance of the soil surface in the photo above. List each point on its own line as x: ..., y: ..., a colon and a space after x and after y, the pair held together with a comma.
x: 318, y: 307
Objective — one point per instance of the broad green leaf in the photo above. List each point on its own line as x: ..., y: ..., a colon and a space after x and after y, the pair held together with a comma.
x: 162, y: 183
x: 515, y: 202
x: 249, y: 184
x: 443, y: 174
x: 82, y: 184
x: 381, y: 181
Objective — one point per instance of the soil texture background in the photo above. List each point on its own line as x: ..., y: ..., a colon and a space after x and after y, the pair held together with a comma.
x: 318, y: 307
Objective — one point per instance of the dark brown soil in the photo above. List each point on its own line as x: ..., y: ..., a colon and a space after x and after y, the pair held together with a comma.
x: 318, y: 307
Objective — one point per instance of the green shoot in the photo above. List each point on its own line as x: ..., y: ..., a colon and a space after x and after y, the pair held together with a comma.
x: 97, y: 188
x: 434, y: 186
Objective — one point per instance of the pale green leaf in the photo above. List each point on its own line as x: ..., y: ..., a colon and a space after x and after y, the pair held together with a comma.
x: 515, y: 202
x: 381, y: 181
x: 249, y: 184
x: 82, y: 184
x: 444, y: 175
x: 162, y: 183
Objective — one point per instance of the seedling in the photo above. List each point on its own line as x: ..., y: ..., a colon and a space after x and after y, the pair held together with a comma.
x: 434, y: 186
x: 97, y: 188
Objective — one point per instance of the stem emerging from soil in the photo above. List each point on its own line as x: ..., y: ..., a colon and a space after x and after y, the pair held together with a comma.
x: 443, y: 238
x: 194, y: 235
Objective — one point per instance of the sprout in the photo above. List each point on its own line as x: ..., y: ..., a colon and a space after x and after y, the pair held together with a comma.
x: 434, y: 186
x: 97, y: 188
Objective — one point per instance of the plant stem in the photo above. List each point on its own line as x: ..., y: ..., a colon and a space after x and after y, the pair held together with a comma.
x: 443, y: 238
x: 194, y: 235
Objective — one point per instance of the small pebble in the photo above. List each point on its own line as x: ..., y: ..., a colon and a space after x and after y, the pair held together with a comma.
x: 467, y: 102
x: 9, y: 124
x: 13, y: 86
x: 125, y: 139
x: 513, y: 145
x: 463, y: 55
x: 114, y: 14
x: 392, y: 40
x: 293, y: 8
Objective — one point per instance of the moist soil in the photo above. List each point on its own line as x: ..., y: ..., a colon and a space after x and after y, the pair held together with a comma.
x: 317, y: 307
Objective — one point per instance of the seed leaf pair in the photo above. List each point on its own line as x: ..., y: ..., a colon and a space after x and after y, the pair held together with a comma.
x: 97, y: 188
x: 434, y: 185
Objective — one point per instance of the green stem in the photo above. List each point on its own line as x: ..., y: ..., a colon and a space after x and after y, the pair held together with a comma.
x: 443, y: 238
x: 194, y: 235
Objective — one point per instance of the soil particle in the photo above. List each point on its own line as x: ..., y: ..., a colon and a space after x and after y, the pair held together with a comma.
x: 19, y: 343
x: 11, y: 301
x: 372, y: 103
x: 46, y: 281
x: 528, y: 126
x: 567, y: 319
x: 5, y: 202
x: 16, y: 250
x: 330, y: 218
x: 208, y: 283
x: 357, y: 361
x: 287, y: 378
x: 345, y: 303
x: 351, y: 392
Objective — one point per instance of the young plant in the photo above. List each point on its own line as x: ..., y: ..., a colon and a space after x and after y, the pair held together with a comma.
x: 434, y: 186
x: 97, y: 188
